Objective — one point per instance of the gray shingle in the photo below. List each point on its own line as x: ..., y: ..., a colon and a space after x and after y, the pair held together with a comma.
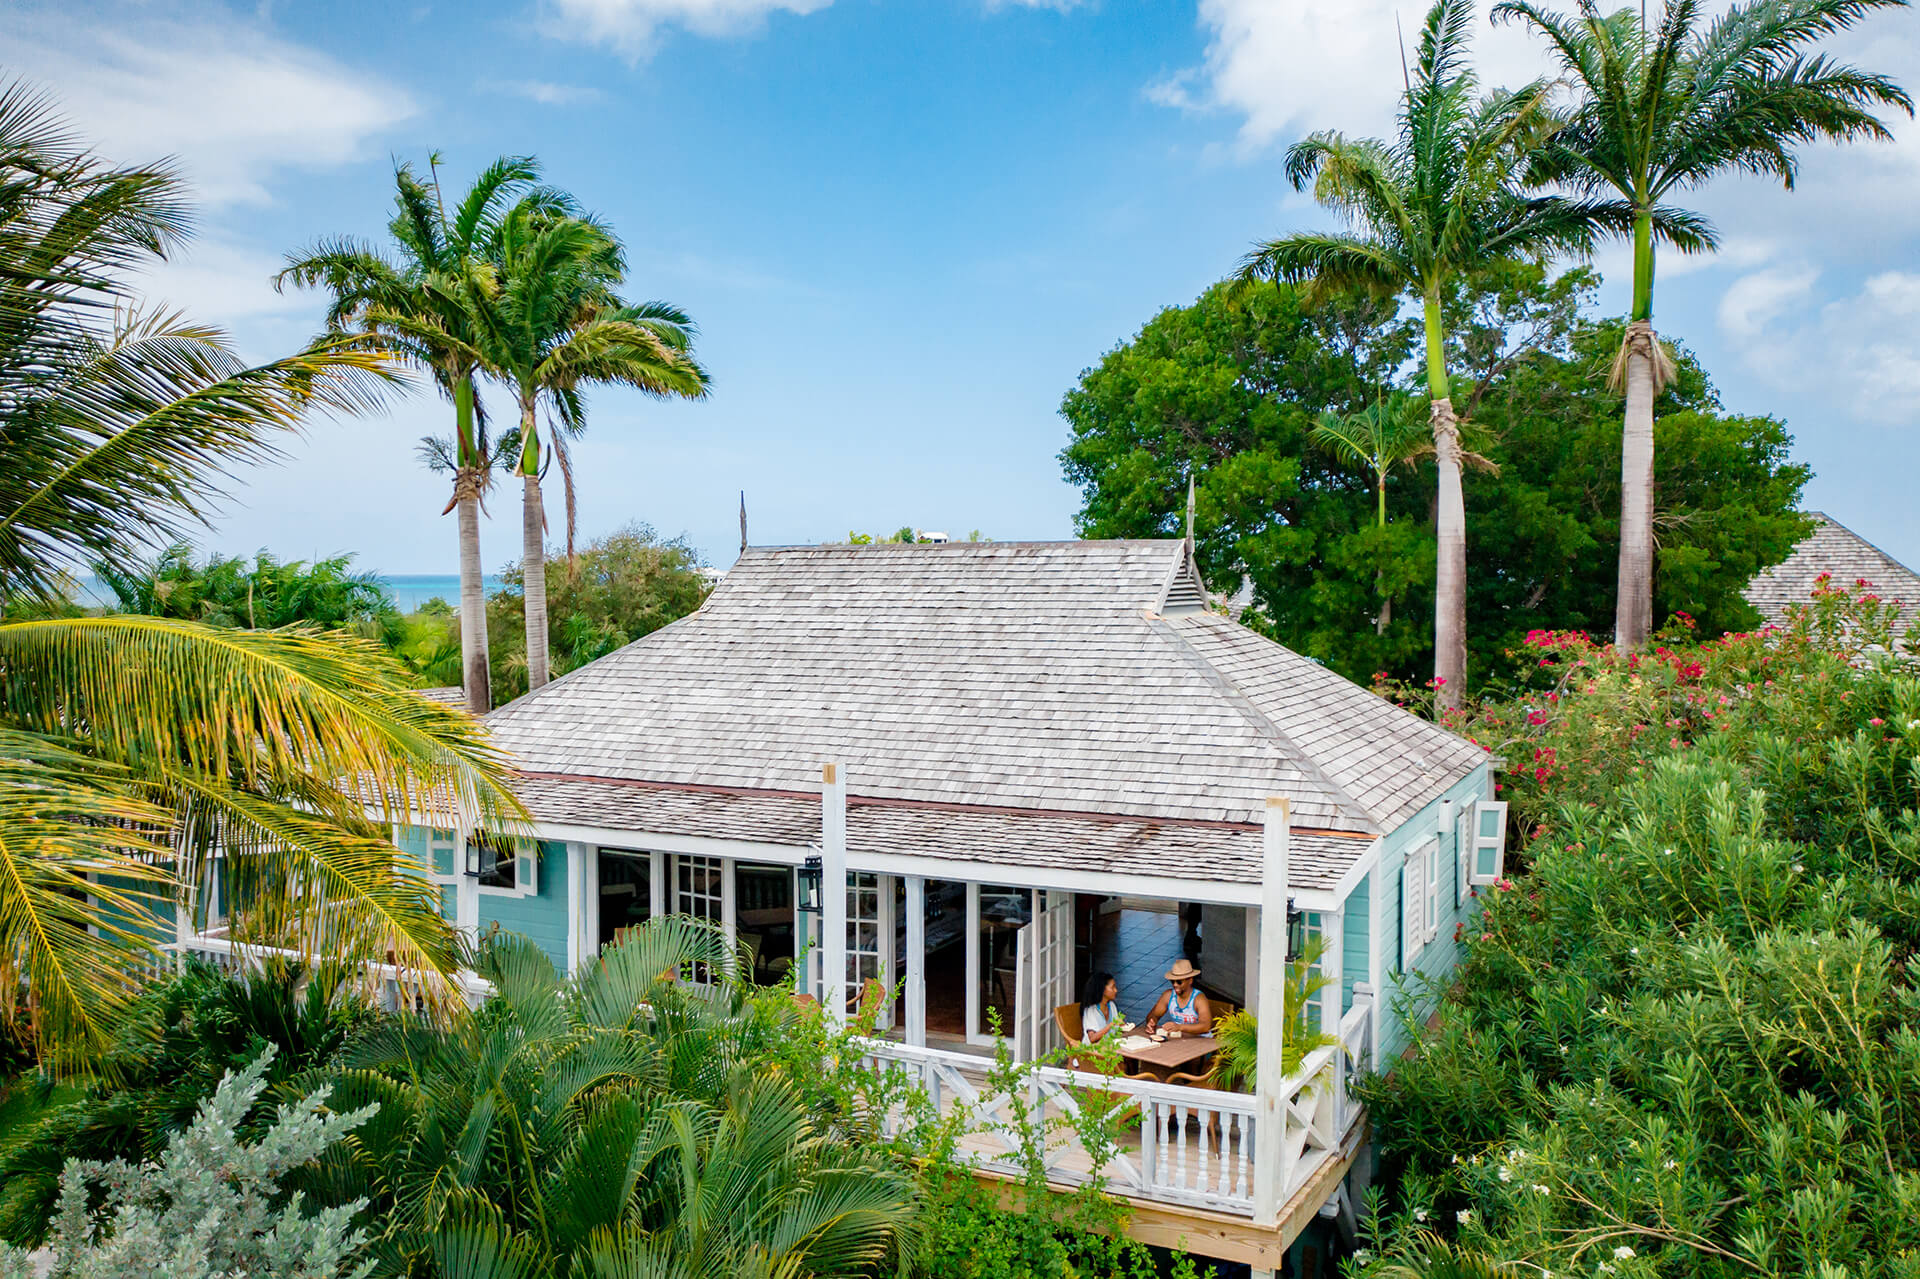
x: 1027, y: 676
x: 1835, y: 549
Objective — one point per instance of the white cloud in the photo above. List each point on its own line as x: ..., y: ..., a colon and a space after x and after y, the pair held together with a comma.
x: 548, y: 94
x: 1857, y: 351
x: 225, y: 283
x: 231, y: 101
x: 632, y: 26
x: 1288, y: 69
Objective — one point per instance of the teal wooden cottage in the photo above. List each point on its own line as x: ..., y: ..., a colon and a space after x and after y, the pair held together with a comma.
x: 984, y: 754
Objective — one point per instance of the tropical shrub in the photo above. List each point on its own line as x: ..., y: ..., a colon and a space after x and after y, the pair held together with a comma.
x: 210, y: 1206
x: 625, y: 585
x: 181, y: 1038
x: 1687, y: 1042
x: 226, y: 590
x: 626, y: 1121
x: 1238, y: 1033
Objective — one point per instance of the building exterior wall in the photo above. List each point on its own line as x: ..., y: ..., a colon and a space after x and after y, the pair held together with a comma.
x: 1402, y: 993
x: 541, y: 917
x: 1355, y: 938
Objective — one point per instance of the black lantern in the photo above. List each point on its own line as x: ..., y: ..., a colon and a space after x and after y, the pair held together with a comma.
x: 1296, y: 931
x: 811, y: 874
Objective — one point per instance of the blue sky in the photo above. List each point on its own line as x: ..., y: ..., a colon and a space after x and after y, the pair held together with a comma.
x: 904, y: 227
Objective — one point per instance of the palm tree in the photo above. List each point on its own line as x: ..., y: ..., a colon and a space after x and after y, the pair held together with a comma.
x: 1664, y: 112
x: 1379, y: 437
x: 1425, y: 211
x: 620, y: 1122
x: 415, y: 305
x: 134, y: 749
x: 550, y: 325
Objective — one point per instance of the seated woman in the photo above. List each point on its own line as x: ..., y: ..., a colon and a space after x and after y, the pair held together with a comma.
x: 1099, y: 1007
x: 1184, y: 1010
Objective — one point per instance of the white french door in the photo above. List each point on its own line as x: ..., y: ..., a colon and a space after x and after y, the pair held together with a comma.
x: 870, y: 945
x: 1044, y: 962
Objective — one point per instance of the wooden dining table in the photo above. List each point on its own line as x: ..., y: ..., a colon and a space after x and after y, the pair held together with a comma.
x: 1173, y: 1055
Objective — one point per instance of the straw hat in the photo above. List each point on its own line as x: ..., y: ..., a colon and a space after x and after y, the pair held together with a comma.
x: 1182, y: 971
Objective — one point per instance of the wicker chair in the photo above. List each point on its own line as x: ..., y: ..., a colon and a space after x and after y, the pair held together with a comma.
x: 1072, y: 1029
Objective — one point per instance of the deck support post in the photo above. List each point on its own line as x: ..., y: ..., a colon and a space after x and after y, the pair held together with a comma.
x: 1270, y: 1106
x: 833, y: 890
x: 916, y: 976
x: 577, y: 947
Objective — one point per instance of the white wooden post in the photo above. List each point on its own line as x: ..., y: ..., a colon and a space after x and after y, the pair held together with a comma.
x: 1333, y: 935
x: 659, y: 885
x: 466, y: 891
x: 916, y: 977
x: 833, y: 890
x: 974, y: 1027
x: 1270, y: 1107
x: 729, y: 906
x: 577, y: 858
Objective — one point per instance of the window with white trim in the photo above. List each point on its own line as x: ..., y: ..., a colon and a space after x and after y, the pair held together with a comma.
x: 1316, y: 1009
x: 698, y: 887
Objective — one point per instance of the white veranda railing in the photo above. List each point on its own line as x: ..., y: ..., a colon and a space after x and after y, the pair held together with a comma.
x: 1176, y: 1144
x: 393, y: 987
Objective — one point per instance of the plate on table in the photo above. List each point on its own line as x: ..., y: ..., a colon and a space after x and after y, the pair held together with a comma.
x: 1135, y: 1043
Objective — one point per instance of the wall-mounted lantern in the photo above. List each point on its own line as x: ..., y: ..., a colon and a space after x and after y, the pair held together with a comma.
x: 811, y: 873
x: 1296, y: 931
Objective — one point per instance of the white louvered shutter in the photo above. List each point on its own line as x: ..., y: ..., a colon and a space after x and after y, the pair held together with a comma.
x: 1463, y: 853
x: 1489, y: 840
x: 1413, y: 906
x: 1433, y: 890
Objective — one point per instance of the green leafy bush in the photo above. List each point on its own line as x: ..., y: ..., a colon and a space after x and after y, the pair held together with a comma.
x: 1687, y: 1043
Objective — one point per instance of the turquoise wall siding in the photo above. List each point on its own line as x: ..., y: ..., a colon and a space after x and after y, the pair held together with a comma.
x: 145, y: 893
x: 1354, y: 939
x: 1440, y: 955
x: 542, y: 918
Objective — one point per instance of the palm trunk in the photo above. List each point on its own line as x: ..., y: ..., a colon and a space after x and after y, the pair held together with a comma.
x: 533, y: 554
x: 1633, y: 608
x: 1450, y: 571
x: 1379, y: 579
x: 476, y: 673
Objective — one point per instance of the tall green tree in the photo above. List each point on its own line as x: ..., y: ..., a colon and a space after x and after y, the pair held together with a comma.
x: 415, y: 303
x: 1230, y: 392
x: 270, y: 592
x: 1379, y: 437
x: 131, y: 748
x: 1433, y: 205
x: 1665, y: 111
x: 550, y: 326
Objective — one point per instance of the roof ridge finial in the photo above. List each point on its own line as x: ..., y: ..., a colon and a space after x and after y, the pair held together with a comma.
x: 1189, y: 512
x: 743, y: 521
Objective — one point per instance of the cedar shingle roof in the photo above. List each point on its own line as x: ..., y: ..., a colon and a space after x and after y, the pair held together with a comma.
x: 1056, y: 679
x: 1832, y: 548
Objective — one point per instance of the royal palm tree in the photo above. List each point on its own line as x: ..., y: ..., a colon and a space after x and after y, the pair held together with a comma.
x: 1425, y: 211
x: 133, y: 749
x: 1665, y: 111
x: 550, y: 325
x: 413, y: 304
x: 1379, y: 437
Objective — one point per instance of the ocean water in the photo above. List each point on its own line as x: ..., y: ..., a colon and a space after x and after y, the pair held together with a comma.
x: 411, y: 590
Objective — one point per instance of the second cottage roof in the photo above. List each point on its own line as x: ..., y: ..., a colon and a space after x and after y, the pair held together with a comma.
x: 1834, y: 549
x: 1033, y: 678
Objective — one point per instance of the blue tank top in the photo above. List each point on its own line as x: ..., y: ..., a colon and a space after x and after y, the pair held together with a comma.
x: 1186, y: 1014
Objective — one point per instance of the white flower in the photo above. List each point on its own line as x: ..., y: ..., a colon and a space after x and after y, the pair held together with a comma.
x: 1798, y: 868
x: 1666, y: 852
x: 1603, y: 1269
x: 1539, y: 1189
x: 1634, y: 951
x: 1563, y: 1050
x: 1419, y: 1214
x: 1464, y: 1216
x: 1362, y: 1257
x: 1456, y: 1159
x: 1670, y: 1165
x: 1622, y: 1252
x: 1506, y: 1173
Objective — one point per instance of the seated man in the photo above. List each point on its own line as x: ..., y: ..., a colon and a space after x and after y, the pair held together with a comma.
x: 1183, y: 1010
